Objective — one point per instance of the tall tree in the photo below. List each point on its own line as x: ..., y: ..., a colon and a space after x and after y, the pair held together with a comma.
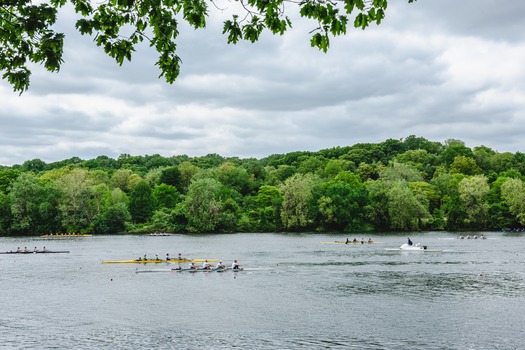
x: 32, y: 202
x: 171, y: 176
x: 513, y: 193
x: 343, y: 204
x: 141, y: 203
x: 75, y: 201
x: 473, y: 193
x: 202, y: 205
x: 296, y: 212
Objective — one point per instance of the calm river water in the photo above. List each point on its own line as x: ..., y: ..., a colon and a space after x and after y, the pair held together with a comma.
x: 295, y: 293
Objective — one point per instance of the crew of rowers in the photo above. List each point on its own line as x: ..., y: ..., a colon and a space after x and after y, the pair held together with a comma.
x: 25, y: 250
x: 207, y: 266
x: 362, y: 241
x: 482, y: 236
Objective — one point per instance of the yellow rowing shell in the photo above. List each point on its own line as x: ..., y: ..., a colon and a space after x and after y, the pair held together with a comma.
x: 66, y: 235
x: 156, y: 261
x: 351, y: 242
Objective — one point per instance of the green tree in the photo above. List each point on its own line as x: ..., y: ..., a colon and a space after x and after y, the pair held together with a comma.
x: 404, y: 209
x: 464, y: 165
x: 473, y: 193
x: 171, y: 176
x: 5, y: 214
x: 141, y: 203
x: 202, y: 205
x: 27, y: 33
x: 513, y: 194
x: 113, y: 220
x: 75, y: 199
x: 266, y: 215
x: 6, y: 179
x: 165, y: 196
x: 343, y: 205
x: 233, y: 176
x: 187, y: 171
x: 296, y: 212
x: 32, y: 202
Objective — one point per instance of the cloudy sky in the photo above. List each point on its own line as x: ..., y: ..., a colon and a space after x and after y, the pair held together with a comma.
x: 436, y: 69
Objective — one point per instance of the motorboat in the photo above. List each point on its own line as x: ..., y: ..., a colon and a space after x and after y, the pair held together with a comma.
x: 416, y: 246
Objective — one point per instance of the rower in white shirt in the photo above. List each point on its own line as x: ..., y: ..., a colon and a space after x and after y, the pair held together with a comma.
x: 206, y: 265
x: 220, y: 266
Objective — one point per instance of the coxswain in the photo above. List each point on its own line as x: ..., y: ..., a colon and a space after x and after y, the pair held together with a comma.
x: 206, y: 265
x: 220, y: 266
x: 235, y: 265
x: 409, y: 241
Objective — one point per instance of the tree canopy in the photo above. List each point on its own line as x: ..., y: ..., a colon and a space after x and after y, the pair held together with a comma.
x: 27, y: 34
x: 398, y: 185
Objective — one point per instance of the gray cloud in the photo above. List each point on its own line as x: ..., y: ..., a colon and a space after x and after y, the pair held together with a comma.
x: 437, y: 70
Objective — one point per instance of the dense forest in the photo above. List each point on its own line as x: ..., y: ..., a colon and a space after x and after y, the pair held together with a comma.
x: 408, y: 184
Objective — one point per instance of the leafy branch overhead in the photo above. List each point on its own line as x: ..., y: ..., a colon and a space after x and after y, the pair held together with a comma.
x: 27, y: 34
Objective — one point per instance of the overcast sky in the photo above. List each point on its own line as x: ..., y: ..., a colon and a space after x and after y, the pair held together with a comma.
x: 436, y: 69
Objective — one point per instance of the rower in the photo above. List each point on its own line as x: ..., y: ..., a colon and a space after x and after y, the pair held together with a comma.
x: 192, y: 266
x: 355, y: 240
x: 206, y: 265
x: 370, y: 241
x: 409, y: 241
x: 235, y: 265
x: 145, y: 257
x: 25, y: 250
x: 18, y: 250
x: 220, y: 266
x: 44, y: 249
x: 35, y: 250
x: 347, y: 240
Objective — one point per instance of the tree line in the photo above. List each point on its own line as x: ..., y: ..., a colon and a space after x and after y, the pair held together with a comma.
x: 396, y: 185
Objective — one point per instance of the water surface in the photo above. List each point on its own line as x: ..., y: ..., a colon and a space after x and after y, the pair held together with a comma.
x: 295, y: 293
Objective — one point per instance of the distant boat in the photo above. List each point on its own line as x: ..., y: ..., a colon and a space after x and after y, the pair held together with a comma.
x: 66, y: 235
x: 37, y: 252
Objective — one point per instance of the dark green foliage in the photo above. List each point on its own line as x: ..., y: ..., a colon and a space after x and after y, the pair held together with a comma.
x: 113, y: 220
x: 141, y: 203
x: 395, y: 187
x: 171, y: 176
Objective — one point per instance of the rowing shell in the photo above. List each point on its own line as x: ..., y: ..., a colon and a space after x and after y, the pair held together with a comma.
x: 351, y: 242
x: 65, y: 235
x: 38, y: 252
x: 145, y: 261
x: 413, y: 250
x: 190, y: 270
x: 156, y: 261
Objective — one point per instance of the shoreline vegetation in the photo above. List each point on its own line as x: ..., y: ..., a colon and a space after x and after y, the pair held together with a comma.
x: 410, y: 184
